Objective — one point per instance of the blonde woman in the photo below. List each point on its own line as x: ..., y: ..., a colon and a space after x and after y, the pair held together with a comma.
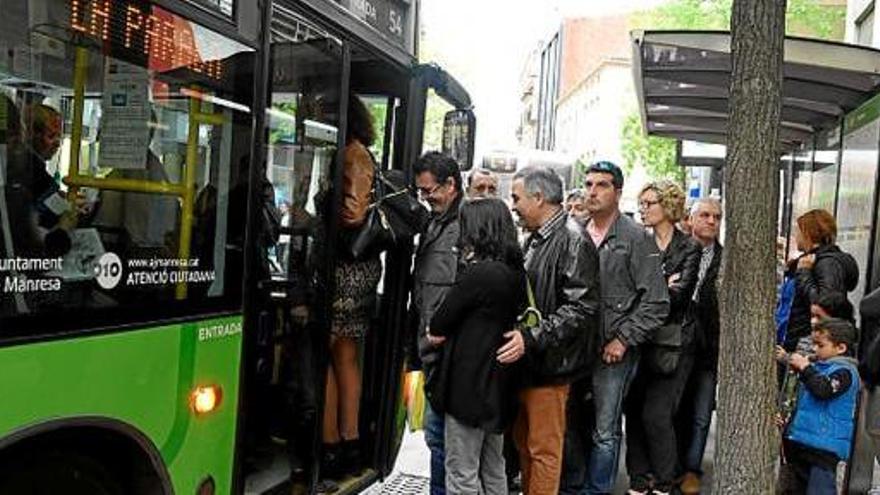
x: 666, y: 361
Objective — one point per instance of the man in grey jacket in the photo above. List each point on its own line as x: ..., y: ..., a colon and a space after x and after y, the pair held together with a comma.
x: 635, y: 302
x: 438, y: 180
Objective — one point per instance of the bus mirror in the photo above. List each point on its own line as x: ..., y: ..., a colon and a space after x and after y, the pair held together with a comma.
x: 459, y: 127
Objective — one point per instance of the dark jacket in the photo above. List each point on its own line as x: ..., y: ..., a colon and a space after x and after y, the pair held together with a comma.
x: 869, y: 344
x: 563, y: 270
x: 634, y: 294
x: 33, y: 225
x: 682, y: 257
x: 434, y: 274
x: 833, y: 270
x: 474, y: 387
x: 706, y: 320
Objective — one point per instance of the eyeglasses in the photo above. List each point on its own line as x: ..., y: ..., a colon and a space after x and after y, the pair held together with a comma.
x: 644, y: 205
x: 429, y: 191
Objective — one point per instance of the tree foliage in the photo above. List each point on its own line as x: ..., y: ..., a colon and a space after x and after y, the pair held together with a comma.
x: 809, y: 18
x: 656, y: 154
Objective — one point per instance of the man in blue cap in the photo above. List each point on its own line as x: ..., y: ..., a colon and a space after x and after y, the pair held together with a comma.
x: 635, y: 304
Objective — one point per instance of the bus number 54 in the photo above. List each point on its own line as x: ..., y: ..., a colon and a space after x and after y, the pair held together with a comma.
x: 395, y: 26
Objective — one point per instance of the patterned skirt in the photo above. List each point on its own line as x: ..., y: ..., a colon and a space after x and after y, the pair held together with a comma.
x: 356, y: 283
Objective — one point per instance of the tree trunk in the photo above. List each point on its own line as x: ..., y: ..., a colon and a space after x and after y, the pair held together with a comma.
x: 747, y: 438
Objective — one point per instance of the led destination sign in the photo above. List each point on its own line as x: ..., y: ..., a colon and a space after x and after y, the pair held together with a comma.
x: 152, y: 36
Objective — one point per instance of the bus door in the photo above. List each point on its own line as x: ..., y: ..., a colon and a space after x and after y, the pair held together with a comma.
x: 285, y: 385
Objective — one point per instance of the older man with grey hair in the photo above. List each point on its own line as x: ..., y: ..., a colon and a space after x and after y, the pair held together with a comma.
x: 695, y: 411
x: 562, y: 267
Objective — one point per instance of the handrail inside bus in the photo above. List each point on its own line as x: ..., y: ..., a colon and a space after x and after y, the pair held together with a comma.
x: 186, y: 190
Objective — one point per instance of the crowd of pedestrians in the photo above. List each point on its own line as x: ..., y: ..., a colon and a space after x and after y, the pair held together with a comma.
x: 626, y: 347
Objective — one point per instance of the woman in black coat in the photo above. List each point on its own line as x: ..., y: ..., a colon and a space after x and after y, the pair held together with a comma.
x: 475, y: 391
x: 821, y: 270
x: 651, y: 445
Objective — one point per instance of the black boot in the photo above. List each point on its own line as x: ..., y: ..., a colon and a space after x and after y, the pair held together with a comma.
x: 352, y: 464
x: 331, y: 461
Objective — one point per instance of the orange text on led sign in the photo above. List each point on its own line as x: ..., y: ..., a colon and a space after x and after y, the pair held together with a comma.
x: 166, y: 39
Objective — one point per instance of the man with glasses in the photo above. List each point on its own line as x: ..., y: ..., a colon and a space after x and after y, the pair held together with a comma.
x: 635, y: 304
x: 438, y: 180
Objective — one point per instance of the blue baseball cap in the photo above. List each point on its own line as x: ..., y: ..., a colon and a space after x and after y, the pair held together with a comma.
x: 607, y: 167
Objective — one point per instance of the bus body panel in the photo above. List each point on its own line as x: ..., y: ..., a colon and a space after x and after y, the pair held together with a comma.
x: 75, y: 378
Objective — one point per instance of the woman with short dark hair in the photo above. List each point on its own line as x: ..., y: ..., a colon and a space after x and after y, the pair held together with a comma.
x: 473, y: 389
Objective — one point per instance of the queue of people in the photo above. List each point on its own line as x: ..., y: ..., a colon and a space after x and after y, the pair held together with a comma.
x: 628, y: 343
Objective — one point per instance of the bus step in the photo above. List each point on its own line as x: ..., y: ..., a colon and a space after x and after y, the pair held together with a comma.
x: 402, y: 484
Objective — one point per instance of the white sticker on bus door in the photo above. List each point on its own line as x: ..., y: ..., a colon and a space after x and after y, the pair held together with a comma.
x: 125, y: 134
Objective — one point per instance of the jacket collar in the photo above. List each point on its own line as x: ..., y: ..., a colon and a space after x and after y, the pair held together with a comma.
x: 552, y: 224
x: 451, y: 213
x: 439, y: 221
x: 613, y: 231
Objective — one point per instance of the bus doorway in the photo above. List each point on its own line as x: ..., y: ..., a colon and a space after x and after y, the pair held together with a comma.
x: 323, y: 402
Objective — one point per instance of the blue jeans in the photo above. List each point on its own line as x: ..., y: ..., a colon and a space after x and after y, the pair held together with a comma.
x: 610, y: 385
x: 702, y: 404
x: 822, y: 482
x: 435, y: 438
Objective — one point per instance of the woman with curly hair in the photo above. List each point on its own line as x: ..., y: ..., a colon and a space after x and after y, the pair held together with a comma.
x: 353, y: 304
x: 666, y: 361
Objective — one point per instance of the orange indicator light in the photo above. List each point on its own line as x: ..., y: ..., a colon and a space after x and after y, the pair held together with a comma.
x: 205, y: 399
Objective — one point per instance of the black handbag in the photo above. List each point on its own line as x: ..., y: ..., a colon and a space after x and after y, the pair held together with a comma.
x: 663, y: 352
x: 393, y: 218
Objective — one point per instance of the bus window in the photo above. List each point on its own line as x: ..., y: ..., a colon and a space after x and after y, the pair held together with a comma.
x: 122, y: 176
x: 436, y: 109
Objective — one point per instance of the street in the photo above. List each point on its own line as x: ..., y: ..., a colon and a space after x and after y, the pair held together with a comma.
x: 412, y: 470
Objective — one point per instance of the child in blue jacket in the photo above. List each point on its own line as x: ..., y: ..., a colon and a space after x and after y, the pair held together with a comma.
x: 819, y: 434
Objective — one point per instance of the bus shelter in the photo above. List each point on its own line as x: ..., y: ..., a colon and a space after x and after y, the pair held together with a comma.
x: 829, y: 136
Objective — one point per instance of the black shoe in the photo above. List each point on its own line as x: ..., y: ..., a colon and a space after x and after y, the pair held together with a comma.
x: 326, y: 486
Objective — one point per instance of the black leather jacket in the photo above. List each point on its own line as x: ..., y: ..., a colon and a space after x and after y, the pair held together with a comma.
x: 563, y: 268
x: 682, y: 257
x: 833, y: 270
x: 707, y: 324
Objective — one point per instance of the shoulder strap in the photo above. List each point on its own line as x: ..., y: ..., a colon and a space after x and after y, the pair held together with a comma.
x: 530, y: 293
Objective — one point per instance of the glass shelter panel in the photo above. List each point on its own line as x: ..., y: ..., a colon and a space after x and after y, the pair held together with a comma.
x: 126, y: 135
x: 858, y: 176
x: 825, y: 169
x: 801, y: 190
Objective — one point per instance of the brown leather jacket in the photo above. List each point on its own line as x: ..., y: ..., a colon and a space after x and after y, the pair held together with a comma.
x: 357, y: 183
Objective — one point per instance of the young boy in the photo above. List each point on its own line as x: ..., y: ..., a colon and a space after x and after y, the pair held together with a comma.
x: 819, y: 434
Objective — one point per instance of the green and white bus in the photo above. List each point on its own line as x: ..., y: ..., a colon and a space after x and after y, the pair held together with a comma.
x: 146, y: 324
